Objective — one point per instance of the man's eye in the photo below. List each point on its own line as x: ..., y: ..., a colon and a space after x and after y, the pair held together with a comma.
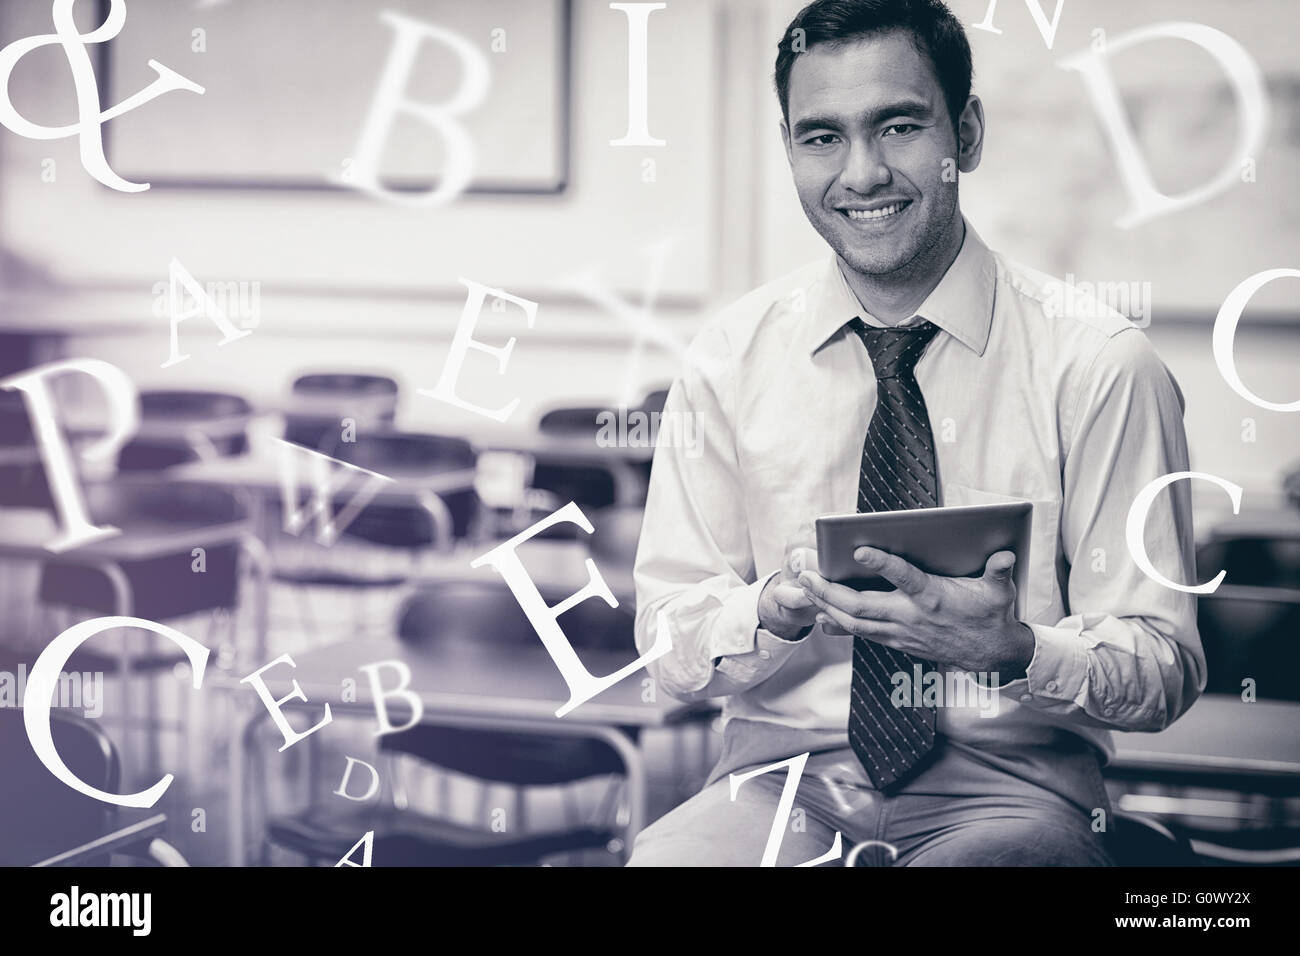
x: 903, y: 129
x: 825, y: 139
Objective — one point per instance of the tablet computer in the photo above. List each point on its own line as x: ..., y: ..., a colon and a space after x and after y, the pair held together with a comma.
x: 955, y: 542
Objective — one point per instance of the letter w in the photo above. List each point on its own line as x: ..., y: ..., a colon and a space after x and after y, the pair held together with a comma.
x: 328, y: 477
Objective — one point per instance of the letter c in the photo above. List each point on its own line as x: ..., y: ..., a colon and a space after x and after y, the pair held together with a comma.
x: 44, y: 679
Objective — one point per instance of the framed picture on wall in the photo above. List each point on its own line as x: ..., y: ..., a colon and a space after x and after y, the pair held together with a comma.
x: 289, y: 87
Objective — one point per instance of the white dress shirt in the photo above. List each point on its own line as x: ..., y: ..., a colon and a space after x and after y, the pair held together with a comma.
x: 1074, y: 413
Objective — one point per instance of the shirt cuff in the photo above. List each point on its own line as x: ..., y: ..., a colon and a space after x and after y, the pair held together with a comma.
x: 1056, y: 673
x: 742, y: 650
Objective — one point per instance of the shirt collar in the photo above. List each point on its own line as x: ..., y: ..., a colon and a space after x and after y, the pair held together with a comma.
x: 961, y: 304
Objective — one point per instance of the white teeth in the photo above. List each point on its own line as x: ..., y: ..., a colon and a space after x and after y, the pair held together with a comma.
x: 874, y: 213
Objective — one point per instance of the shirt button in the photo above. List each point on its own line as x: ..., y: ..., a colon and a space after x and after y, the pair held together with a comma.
x: 1107, y: 711
x: 1053, y: 685
x: 1026, y: 696
x: 764, y: 654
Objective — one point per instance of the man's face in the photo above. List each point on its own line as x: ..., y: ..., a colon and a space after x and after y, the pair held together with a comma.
x: 867, y: 137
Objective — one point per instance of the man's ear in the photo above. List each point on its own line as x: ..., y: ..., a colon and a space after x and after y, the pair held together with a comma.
x: 785, y: 139
x: 970, y: 135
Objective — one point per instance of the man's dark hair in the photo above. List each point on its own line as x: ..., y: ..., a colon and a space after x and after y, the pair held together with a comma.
x: 938, y: 35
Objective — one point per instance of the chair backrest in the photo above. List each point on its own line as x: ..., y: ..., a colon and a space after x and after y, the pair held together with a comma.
x: 616, y: 533
x: 163, y: 586
x: 195, y: 406
x: 15, y: 423
x: 487, y: 617
x: 1248, y: 626
x: 412, y: 455
x: 654, y: 401
x: 40, y: 815
x: 1252, y: 561
x: 344, y: 384
x: 1137, y: 840
x: 157, y: 502
x: 579, y: 420
x: 371, y: 401
x: 409, y: 454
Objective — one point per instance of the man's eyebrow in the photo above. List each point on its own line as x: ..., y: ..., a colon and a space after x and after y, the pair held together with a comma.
x: 809, y: 123
x: 913, y: 108
x: 917, y: 109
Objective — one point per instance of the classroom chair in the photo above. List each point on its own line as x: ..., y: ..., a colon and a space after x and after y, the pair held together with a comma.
x: 1248, y: 625
x: 591, y: 485
x: 162, y: 587
x: 383, y: 547
x: 482, y: 618
x: 41, y: 816
x: 1138, y: 840
x: 183, y: 426
x: 326, y: 398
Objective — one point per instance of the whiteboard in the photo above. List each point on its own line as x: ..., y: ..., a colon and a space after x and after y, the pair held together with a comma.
x: 289, y: 85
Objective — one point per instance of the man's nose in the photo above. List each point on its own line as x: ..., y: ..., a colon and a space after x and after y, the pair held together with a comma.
x: 865, y: 168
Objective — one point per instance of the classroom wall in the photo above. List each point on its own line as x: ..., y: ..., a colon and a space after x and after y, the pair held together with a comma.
x: 349, y: 281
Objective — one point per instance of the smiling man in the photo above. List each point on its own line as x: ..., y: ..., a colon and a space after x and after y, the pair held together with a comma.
x: 912, y: 368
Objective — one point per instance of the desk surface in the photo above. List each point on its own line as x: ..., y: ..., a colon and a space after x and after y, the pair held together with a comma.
x: 558, y: 568
x: 261, y: 473
x: 128, y: 834
x: 575, y: 449
x: 1220, y: 734
x: 25, y: 532
x: 520, y: 683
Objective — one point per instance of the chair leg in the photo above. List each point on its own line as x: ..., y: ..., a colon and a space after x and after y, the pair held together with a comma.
x: 521, y: 810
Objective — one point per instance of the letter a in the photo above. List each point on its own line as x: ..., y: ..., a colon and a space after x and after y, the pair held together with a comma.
x: 1252, y: 115
x: 388, y: 102
x: 369, y: 842
x: 203, y: 306
x: 582, y: 685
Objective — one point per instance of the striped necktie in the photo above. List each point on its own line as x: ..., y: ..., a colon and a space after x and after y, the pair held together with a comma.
x: 897, y: 472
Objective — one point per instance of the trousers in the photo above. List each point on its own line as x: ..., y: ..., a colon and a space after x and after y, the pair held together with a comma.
x: 965, y: 807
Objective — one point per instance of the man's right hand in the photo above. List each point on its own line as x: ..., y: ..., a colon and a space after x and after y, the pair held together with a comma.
x: 784, y: 608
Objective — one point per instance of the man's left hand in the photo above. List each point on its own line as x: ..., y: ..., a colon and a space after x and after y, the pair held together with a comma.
x: 966, y: 623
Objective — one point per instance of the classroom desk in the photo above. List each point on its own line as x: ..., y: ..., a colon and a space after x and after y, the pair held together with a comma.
x: 1221, y: 742
x: 137, y: 835
x: 1277, y: 523
x: 24, y: 533
x: 462, y: 686
x: 260, y: 474
x: 557, y: 566
x: 570, y: 451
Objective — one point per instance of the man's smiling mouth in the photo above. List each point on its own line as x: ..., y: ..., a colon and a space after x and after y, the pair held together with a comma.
x: 876, y: 214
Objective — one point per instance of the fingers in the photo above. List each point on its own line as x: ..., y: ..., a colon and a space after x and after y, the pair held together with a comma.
x: 998, y: 568
x: 791, y: 597
x: 906, y: 577
x: 861, y: 604
x: 800, y: 559
x: 885, y: 632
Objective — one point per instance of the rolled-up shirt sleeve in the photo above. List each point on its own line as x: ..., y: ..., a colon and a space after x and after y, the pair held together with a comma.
x: 1128, y: 656
x: 694, y: 567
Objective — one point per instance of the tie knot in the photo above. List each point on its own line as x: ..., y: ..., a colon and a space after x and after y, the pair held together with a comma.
x: 895, y: 351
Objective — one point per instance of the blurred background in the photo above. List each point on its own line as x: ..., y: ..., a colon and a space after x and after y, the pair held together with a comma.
x: 352, y: 297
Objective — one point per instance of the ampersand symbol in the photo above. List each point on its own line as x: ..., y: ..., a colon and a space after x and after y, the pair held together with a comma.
x: 90, y: 117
